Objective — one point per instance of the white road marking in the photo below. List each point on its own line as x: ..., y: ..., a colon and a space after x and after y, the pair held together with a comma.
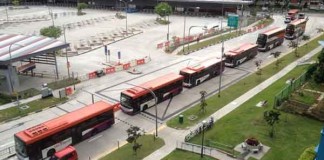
x: 7, y: 144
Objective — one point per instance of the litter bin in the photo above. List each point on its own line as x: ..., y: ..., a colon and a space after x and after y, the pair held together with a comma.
x: 181, y: 119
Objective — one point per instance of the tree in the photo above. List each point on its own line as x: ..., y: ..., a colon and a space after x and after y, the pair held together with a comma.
x: 133, y: 134
x: 319, y: 73
x: 51, y: 31
x: 15, y: 2
x: 271, y: 117
x: 163, y: 9
x: 203, y: 103
x: 80, y: 7
x: 276, y: 55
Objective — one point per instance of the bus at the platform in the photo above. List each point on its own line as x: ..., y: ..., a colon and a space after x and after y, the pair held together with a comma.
x: 271, y: 38
x: 44, y: 140
x: 237, y: 56
x: 140, y: 98
x: 203, y: 71
x: 295, y: 29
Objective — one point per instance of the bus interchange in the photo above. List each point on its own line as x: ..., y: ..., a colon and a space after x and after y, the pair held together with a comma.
x: 187, y: 77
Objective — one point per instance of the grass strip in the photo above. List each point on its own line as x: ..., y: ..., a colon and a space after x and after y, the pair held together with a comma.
x: 34, y: 106
x: 178, y: 154
x: 229, y: 94
x: 293, y: 133
x: 126, y: 152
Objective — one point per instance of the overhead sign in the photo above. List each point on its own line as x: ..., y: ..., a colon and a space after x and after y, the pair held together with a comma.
x: 232, y: 20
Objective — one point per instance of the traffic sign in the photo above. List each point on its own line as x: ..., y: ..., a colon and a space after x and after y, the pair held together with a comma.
x: 232, y: 20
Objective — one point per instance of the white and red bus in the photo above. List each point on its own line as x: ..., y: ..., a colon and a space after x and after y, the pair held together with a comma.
x: 271, y: 38
x: 44, y: 140
x: 295, y: 29
x: 139, y: 98
x: 194, y: 75
x: 292, y: 14
x: 241, y: 54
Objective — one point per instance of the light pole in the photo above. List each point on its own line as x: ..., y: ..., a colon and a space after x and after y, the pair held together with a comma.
x: 222, y: 53
x: 168, y: 24
x: 7, y: 14
x: 204, y: 27
x: 184, y: 29
x: 66, y: 56
x: 9, y: 69
x: 202, y: 139
x: 155, y: 105
x: 126, y: 6
x: 50, y: 11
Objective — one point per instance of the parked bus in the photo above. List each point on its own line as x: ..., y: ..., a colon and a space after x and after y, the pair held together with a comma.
x: 295, y: 29
x: 292, y: 14
x: 271, y: 38
x: 194, y: 75
x: 139, y: 98
x: 237, y: 56
x: 316, y: 5
x: 44, y: 140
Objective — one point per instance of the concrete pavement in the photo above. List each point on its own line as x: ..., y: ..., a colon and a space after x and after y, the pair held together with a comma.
x: 178, y: 135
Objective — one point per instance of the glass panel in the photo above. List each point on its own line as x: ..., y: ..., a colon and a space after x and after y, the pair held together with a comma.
x: 20, y: 147
x: 125, y: 101
x: 262, y: 39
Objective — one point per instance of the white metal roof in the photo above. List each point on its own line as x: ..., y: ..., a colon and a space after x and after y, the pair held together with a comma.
x: 23, y: 46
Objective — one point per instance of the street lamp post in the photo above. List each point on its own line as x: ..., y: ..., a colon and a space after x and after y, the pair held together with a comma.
x: 204, y: 27
x: 222, y: 53
x: 7, y: 14
x: 184, y: 29
x: 168, y: 24
x: 126, y: 6
x: 66, y: 56
x: 202, y: 139
x: 155, y: 105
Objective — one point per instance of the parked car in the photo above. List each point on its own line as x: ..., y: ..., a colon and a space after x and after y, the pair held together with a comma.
x: 287, y: 20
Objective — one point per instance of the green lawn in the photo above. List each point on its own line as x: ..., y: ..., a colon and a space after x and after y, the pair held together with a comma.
x: 5, y: 99
x: 293, y: 133
x: 266, y: 22
x: 234, y: 91
x: 307, y: 97
x: 34, y: 106
x: 63, y: 83
x: 126, y: 152
x: 179, y: 154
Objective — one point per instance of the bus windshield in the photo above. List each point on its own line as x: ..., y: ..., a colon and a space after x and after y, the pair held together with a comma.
x: 262, y: 39
x: 20, y: 147
x: 290, y: 28
x: 186, y: 76
x: 125, y: 100
x: 229, y: 59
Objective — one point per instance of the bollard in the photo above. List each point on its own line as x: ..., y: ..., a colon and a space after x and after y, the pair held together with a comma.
x: 181, y: 119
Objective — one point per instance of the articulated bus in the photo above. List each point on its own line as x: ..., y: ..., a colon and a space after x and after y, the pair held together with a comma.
x: 292, y: 14
x: 139, y: 98
x: 270, y: 39
x: 241, y: 54
x: 44, y: 140
x: 194, y: 75
x: 295, y: 29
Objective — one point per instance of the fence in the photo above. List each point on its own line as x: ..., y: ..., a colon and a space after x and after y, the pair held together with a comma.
x: 228, y: 149
x: 195, y: 148
x: 7, y: 152
x: 285, y: 93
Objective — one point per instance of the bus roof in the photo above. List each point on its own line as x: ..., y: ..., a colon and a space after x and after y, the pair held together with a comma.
x: 293, y: 11
x: 273, y: 30
x: 53, y: 126
x: 200, y: 66
x: 297, y: 22
x: 242, y: 48
x: 153, y: 85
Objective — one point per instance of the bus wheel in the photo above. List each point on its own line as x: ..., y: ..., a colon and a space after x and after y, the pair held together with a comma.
x: 198, y: 82
x: 145, y: 107
x: 268, y: 48
x: 51, y: 152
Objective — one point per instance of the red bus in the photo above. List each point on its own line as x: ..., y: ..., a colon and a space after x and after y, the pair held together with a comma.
x: 138, y: 99
x: 292, y: 14
x: 44, y: 140
x: 271, y: 38
x: 194, y: 75
x: 295, y: 29
x: 241, y: 54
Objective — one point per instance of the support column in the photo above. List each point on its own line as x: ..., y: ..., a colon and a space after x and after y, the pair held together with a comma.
x: 57, y: 74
